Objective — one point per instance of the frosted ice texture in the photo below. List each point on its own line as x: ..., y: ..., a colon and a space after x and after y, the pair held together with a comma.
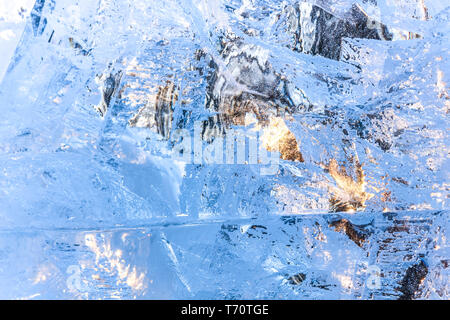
x: 94, y: 205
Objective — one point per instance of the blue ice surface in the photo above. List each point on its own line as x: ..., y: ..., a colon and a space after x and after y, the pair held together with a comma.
x: 92, y: 207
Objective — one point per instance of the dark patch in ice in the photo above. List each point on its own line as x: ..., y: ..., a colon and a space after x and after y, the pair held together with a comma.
x: 357, y: 233
x: 412, y: 280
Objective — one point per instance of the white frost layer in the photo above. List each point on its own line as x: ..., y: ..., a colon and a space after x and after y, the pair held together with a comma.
x: 12, y: 22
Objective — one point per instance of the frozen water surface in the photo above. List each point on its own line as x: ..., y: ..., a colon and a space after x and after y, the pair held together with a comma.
x: 117, y: 179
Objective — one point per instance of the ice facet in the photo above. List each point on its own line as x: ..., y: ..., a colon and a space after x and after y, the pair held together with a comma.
x: 225, y: 149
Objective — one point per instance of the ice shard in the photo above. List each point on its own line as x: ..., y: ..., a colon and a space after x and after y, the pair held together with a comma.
x: 194, y: 149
